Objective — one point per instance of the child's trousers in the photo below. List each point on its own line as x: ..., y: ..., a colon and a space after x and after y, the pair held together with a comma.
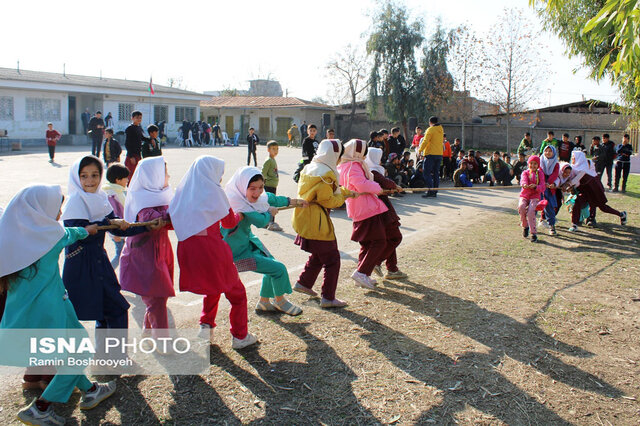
x: 371, y: 252
x: 275, y: 281
x: 237, y: 296
x: 527, y: 210
x: 61, y: 386
x: 552, y: 207
x: 155, y: 317
x: 327, y: 259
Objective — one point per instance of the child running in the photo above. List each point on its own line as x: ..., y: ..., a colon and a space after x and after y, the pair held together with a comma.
x: 116, y: 190
x: 318, y: 185
x: 590, y: 190
x: 366, y: 211
x: 31, y: 239
x: 255, y: 207
x: 391, y: 219
x: 147, y: 260
x: 88, y: 275
x: 197, y: 210
x: 551, y: 169
x: 532, y: 183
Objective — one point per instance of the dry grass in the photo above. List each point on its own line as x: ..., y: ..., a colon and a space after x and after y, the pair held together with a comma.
x: 489, y: 329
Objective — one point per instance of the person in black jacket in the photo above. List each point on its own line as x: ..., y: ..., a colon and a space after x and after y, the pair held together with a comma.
x: 96, y: 130
x: 186, y: 128
x: 397, y: 143
x: 151, y: 146
x: 610, y: 150
x: 623, y: 163
x: 598, y: 154
x: 252, y: 145
x: 111, y: 149
x: 309, y: 147
x: 133, y: 142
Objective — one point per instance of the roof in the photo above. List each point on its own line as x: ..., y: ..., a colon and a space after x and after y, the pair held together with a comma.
x: 581, y: 106
x: 258, y: 102
x: 84, y: 80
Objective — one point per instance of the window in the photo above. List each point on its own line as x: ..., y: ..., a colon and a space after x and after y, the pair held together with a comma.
x: 185, y: 113
x: 282, y: 125
x: 38, y: 109
x: 124, y: 111
x: 6, y: 108
x: 160, y: 113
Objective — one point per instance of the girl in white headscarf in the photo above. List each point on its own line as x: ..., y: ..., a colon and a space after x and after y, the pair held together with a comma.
x: 146, y: 265
x: 590, y: 190
x: 366, y: 211
x: 31, y: 239
x: 198, y: 209
x: 256, y: 207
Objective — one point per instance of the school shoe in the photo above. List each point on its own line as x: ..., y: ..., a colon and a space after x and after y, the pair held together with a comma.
x: 552, y: 230
x: 51, y: 161
x: 92, y: 399
x: 30, y: 415
x: 623, y: 218
x: 249, y: 340
x: 302, y: 289
x: 362, y: 280
x: 573, y: 228
x: 265, y: 307
x: 395, y: 275
x: 274, y: 227
x: 335, y: 303
x: 591, y: 222
x: 543, y: 224
x: 287, y: 307
x: 534, y: 238
x: 378, y: 270
x: 206, y: 332
x: 525, y: 232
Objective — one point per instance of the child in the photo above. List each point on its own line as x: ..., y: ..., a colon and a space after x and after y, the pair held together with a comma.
x: 151, y: 146
x: 624, y: 151
x: 394, y: 170
x: 31, y: 239
x: 309, y: 147
x: 366, y: 211
x: 473, y: 167
x: 88, y: 276
x: 133, y: 141
x: 255, y: 207
x: 590, y: 190
x: 532, y: 183
x: 270, y: 174
x: 391, y: 219
x: 112, y: 148
x: 116, y: 190
x: 519, y: 166
x: 462, y: 155
x: 318, y: 185
x: 147, y: 260
x: 52, y: 136
x: 197, y: 210
x: 409, y: 169
x: 460, y: 178
x: 415, y: 143
x: 252, y: 145
x: 417, y: 180
x: 482, y: 165
x: 498, y: 171
x: 551, y: 169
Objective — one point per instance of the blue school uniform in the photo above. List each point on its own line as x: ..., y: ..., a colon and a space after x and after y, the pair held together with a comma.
x: 90, y: 280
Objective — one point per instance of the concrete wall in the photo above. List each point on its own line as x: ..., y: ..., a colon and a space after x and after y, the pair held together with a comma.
x: 20, y: 127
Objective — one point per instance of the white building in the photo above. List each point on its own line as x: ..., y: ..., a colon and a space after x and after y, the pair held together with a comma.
x: 31, y: 99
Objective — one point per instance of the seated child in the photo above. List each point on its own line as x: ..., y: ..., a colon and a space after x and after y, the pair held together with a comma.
x: 417, y: 180
x: 498, y: 171
x: 519, y: 166
x: 460, y: 178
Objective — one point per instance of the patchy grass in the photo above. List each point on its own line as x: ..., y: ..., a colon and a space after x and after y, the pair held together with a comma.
x: 488, y: 329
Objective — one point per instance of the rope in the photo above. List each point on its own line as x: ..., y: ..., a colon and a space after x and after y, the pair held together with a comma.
x: 135, y: 224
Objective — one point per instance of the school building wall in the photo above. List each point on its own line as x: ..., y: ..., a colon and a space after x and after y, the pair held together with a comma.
x: 33, y: 124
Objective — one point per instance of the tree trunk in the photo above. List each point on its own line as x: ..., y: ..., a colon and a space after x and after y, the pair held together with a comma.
x: 352, y: 117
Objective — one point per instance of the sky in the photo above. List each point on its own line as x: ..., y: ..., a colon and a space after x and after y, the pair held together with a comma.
x: 212, y: 45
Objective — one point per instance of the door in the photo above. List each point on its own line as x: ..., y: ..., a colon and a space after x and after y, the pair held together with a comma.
x: 72, y: 115
x: 228, y: 126
x: 264, y: 130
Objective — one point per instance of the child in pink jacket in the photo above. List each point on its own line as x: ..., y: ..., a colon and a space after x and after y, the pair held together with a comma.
x: 532, y: 183
x: 366, y: 211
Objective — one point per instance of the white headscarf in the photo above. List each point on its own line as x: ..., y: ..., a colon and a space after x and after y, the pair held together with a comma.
x: 236, y: 190
x: 84, y: 205
x: 548, y: 164
x: 147, y: 188
x: 580, y: 167
x: 326, y: 155
x: 199, y: 201
x: 563, y: 166
x: 28, y: 227
x: 374, y: 155
x: 354, y: 151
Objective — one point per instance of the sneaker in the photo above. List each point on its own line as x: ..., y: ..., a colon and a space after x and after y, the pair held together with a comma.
x: 335, y: 303
x: 32, y: 416
x: 525, y: 232
x: 395, y: 275
x: 51, y: 161
x: 543, y: 224
x: 274, y: 227
x: 623, y: 218
x: 206, y: 332
x: 591, y: 223
x: 378, y: 270
x: 552, y: 231
x: 92, y: 399
x: 615, y: 190
x: 573, y: 228
x: 302, y: 289
x: 362, y: 280
x: 249, y: 340
x: 534, y: 238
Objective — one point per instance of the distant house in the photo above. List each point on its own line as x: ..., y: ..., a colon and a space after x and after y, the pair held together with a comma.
x: 271, y: 116
x: 30, y: 99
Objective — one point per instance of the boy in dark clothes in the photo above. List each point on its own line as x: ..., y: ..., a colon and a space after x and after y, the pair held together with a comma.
x: 623, y: 163
x: 112, y: 148
x: 519, y: 166
x: 599, y: 155
x: 417, y: 180
x: 473, y: 168
x: 394, y: 170
x: 151, y: 146
x: 133, y: 142
x: 610, y: 150
x: 309, y: 147
x: 252, y: 145
x: 397, y: 143
x: 482, y: 164
x: 565, y: 146
x: 460, y: 178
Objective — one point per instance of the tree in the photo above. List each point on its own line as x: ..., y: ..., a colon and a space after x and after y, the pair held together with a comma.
x: 394, y: 76
x: 605, y: 34
x: 437, y: 80
x: 512, y: 65
x: 348, y: 72
x: 465, y: 59
x: 175, y: 82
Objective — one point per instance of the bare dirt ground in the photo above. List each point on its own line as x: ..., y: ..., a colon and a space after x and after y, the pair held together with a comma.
x: 488, y: 329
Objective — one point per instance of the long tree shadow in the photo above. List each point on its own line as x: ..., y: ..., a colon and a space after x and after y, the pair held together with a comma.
x: 463, y: 381
x: 505, y: 336
x: 196, y: 402
x: 316, y: 391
